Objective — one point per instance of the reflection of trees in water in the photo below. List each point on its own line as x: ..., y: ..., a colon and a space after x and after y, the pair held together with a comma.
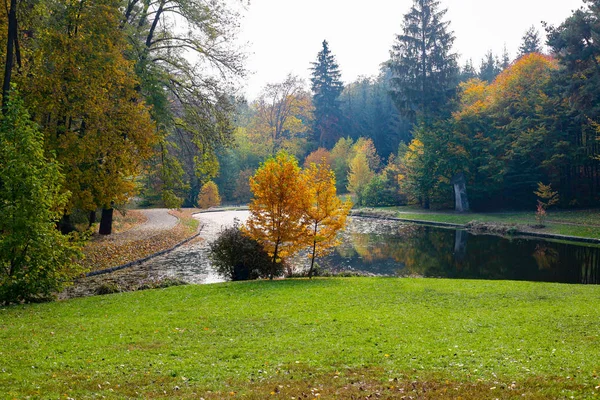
x: 433, y: 252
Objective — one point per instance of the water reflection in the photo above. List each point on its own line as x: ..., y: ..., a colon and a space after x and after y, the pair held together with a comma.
x: 392, y: 248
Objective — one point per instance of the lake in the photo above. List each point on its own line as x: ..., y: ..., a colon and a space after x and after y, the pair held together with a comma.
x: 393, y: 248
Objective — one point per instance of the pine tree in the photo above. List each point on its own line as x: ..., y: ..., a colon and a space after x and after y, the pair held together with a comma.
x: 327, y: 86
x: 531, y: 42
x: 425, y: 69
x: 505, y: 63
x: 489, y: 67
x: 468, y: 71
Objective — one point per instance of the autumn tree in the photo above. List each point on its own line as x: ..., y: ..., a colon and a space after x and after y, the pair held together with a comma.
x: 187, y: 64
x: 318, y: 156
x: 36, y: 260
x: 83, y: 94
x: 424, y: 67
x: 276, y: 213
x: 360, y: 175
x: 326, y: 86
x: 340, y: 162
x: 325, y: 213
x: 283, y: 115
x: 209, y: 196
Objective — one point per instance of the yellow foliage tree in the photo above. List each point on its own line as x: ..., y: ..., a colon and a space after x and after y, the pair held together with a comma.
x: 325, y: 212
x: 360, y: 174
x: 276, y: 213
x: 209, y: 195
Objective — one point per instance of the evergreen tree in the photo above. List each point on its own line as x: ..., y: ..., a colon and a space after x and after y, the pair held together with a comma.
x: 468, y: 71
x: 327, y: 86
x: 425, y: 69
x: 505, y: 63
x: 489, y: 67
x: 531, y: 42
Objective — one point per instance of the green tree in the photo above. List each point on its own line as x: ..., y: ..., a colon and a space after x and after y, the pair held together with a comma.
x: 36, y: 260
x: 468, y: 71
x: 187, y: 63
x: 531, y: 42
x: 490, y: 67
x: 424, y: 67
x: 327, y: 86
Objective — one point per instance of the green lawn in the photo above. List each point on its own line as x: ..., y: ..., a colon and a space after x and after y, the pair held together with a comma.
x: 335, y: 338
x: 584, y: 223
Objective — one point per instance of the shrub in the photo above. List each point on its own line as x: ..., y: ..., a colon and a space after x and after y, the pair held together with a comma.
x: 238, y: 257
x: 209, y: 195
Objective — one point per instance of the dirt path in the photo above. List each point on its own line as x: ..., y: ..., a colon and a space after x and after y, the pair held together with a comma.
x: 188, y: 263
x: 159, y: 220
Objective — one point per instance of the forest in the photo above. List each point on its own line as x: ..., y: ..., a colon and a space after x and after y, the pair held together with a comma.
x: 110, y: 102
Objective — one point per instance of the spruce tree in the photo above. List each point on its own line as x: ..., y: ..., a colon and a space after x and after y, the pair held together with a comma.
x: 424, y: 66
x: 489, y: 67
x: 531, y: 42
x: 505, y: 63
x: 467, y: 72
x: 327, y: 86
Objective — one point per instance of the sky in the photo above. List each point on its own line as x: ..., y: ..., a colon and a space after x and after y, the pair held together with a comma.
x: 284, y: 36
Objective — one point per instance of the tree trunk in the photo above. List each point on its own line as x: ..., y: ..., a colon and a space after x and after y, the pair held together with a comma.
x: 10, y: 50
x: 92, y: 218
x: 273, y: 266
x: 65, y: 226
x: 106, y: 221
x: 314, y: 250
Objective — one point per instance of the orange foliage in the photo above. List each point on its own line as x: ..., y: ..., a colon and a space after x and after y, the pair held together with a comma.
x: 325, y: 213
x: 317, y: 157
x: 276, y: 212
x: 209, y: 196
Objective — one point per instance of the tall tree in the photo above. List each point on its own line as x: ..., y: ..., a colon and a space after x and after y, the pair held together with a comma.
x: 327, y: 86
x: 468, y: 72
x: 424, y: 66
x: 489, y: 68
x: 276, y: 213
x: 577, y: 83
x: 83, y: 92
x: 35, y: 259
x: 188, y: 66
x: 325, y: 212
x: 531, y: 42
x: 283, y: 115
x: 505, y: 61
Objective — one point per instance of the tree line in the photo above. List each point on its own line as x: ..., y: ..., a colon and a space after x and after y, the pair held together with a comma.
x: 101, y: 100
x: 507, y: 125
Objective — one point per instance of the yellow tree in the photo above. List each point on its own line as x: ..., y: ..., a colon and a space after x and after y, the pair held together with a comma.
x: 83, y: 93
x: 360, y: 174
x: 325, y: 212
x: 283, y: 115
x: 209, y: 195
x: 276, y: 213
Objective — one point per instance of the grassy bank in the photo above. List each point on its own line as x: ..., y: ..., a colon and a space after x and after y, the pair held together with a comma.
x: 583, y: 223
x: 335, y: 338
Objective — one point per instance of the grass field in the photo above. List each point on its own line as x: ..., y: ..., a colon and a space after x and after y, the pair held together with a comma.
x: 325, y: 338
x: 583, y: 223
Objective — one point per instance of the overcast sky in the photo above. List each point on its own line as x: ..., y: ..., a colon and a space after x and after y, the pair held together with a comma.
x: 285, y: 36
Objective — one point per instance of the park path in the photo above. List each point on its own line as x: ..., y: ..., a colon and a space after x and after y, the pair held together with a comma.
x: 159, y: 220
x: 189, y: 263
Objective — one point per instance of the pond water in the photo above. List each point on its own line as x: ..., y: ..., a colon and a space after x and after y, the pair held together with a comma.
x: 392, y: 248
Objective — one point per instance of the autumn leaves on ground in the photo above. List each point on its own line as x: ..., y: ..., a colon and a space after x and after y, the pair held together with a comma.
x: 103, y: 252
x: 307, y: 339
